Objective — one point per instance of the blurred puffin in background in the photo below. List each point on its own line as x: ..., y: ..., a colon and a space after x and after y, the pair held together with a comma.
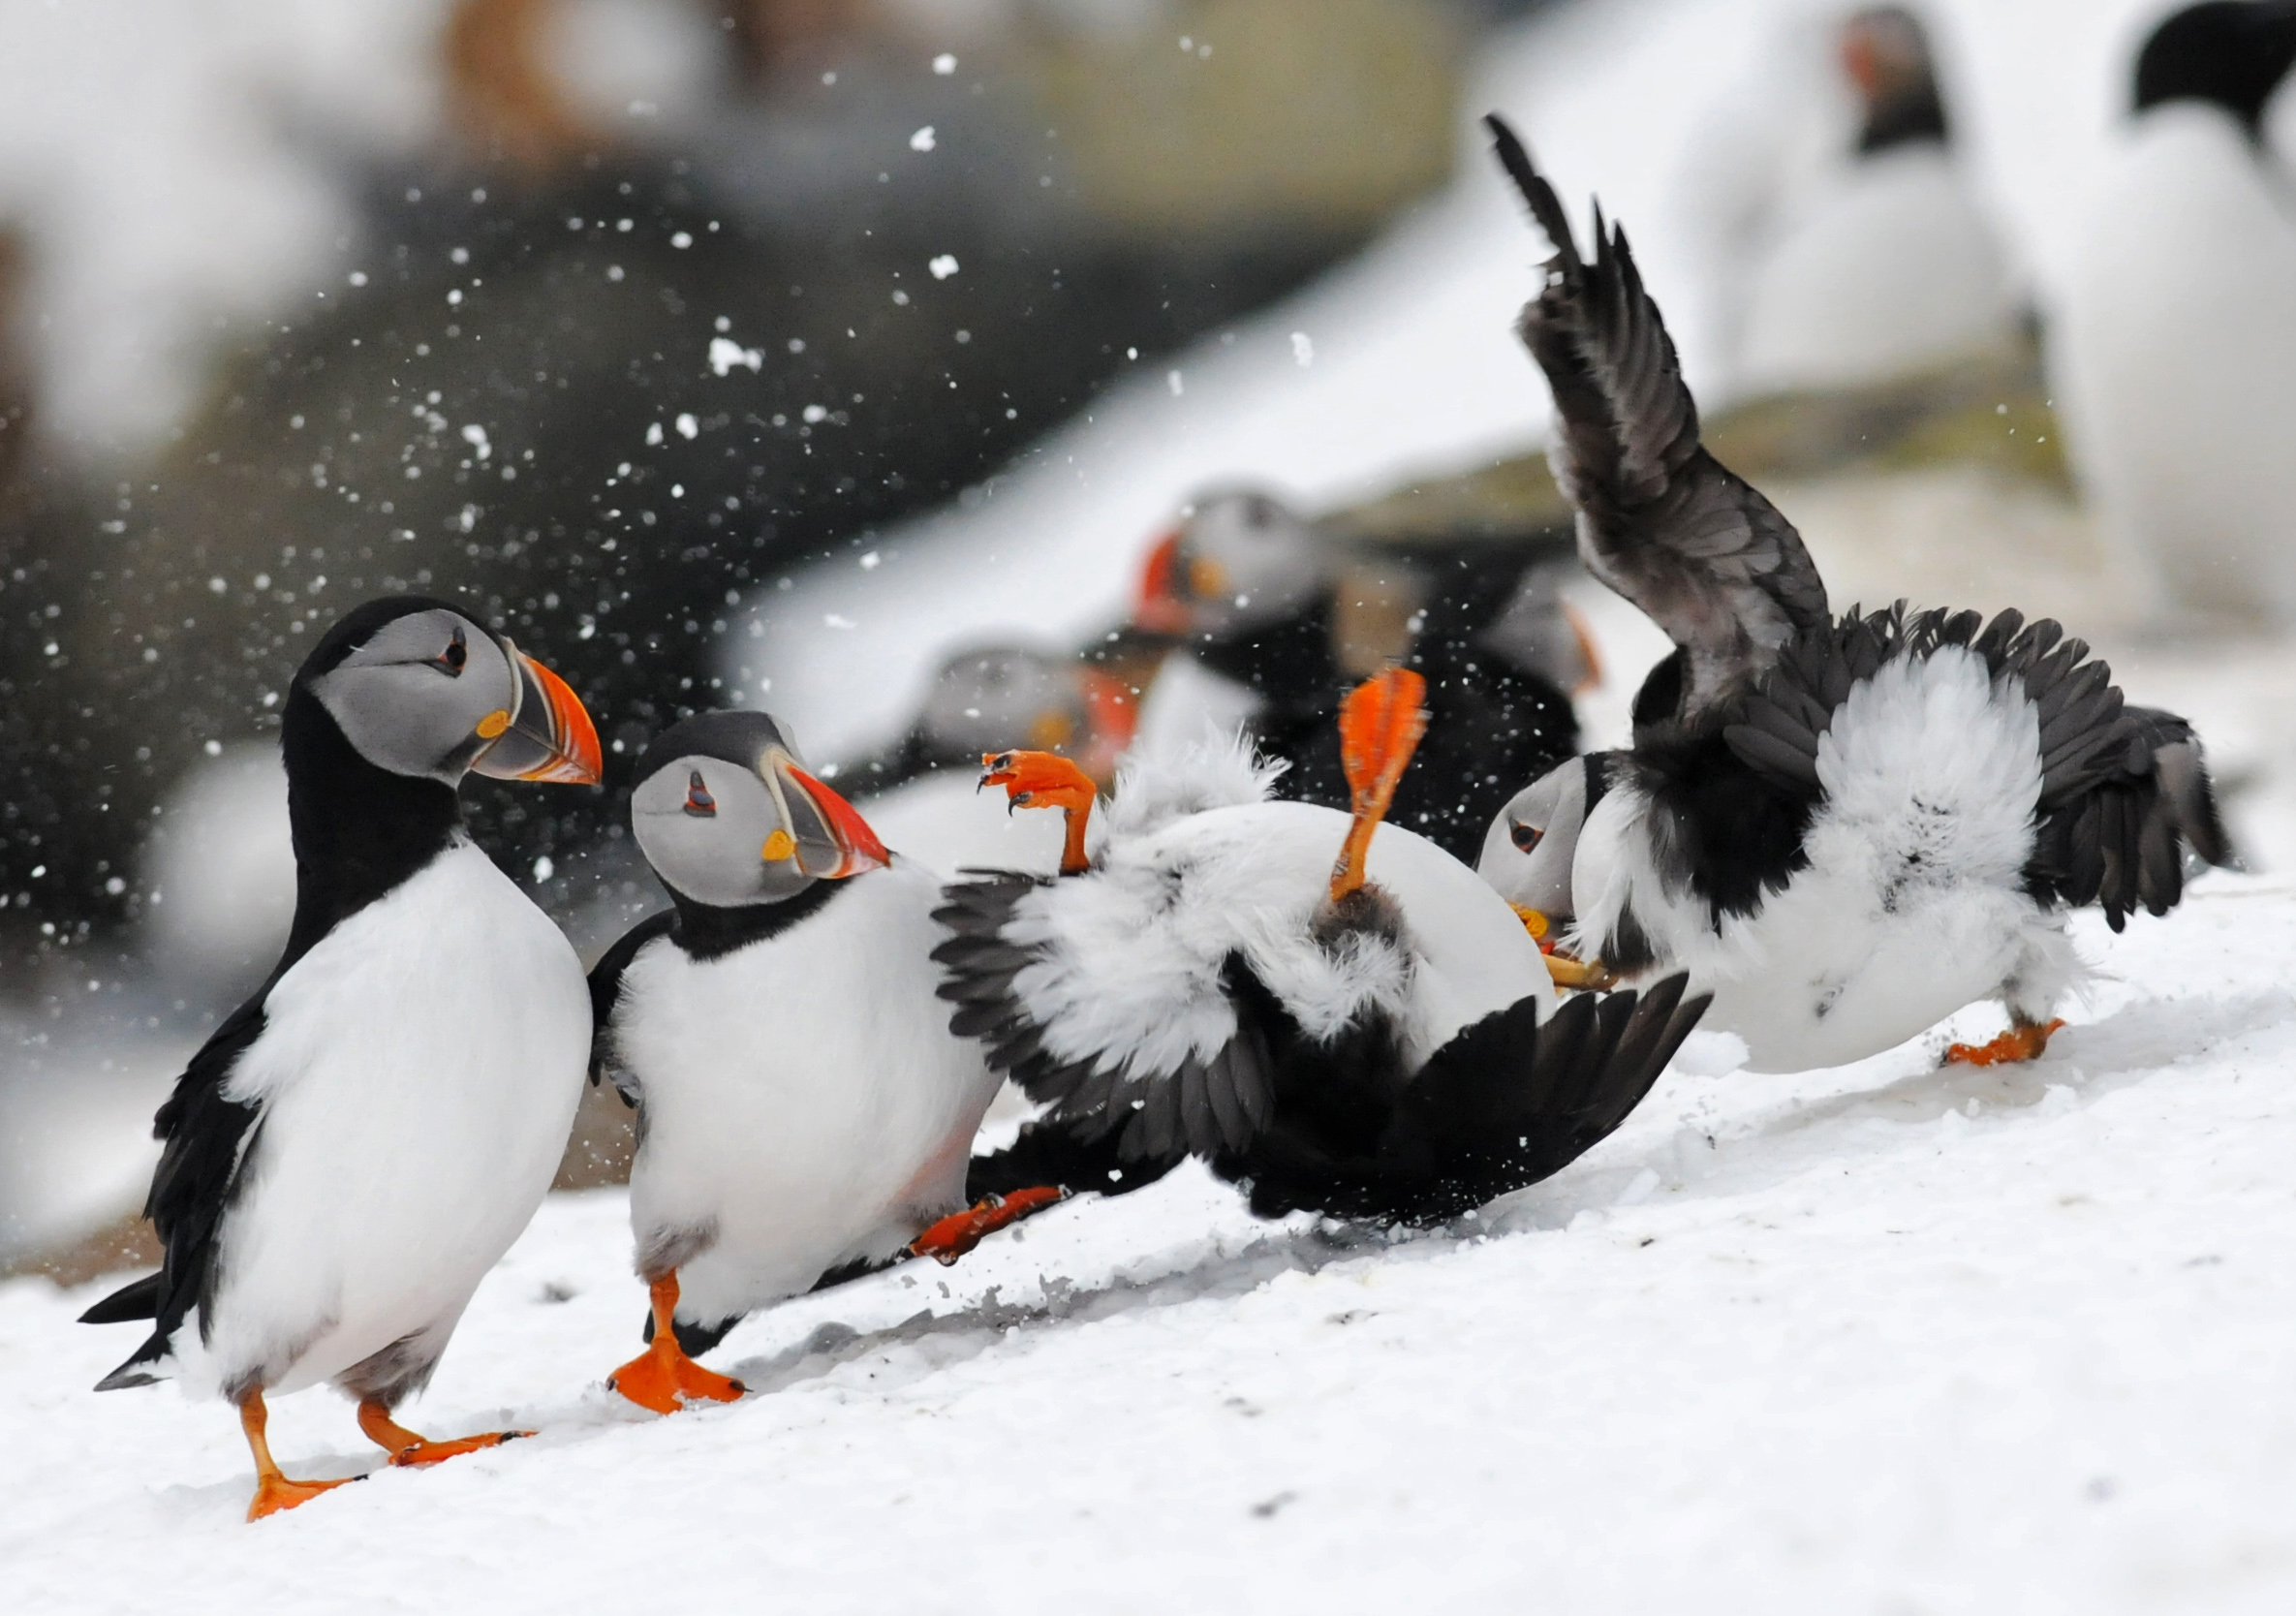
x: 921, y: 792
x: 357, y: 1143
x: 1846, y: 830
x: 804, y: 1111
x: 1859, y: 254
x: 2174, y: 350
x: 1374, y: 1037
x: 1270, y: 628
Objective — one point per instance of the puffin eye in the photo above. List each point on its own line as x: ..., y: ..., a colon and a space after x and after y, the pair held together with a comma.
x: 1526, y: 837
x: 454, y: 656
x: 699, y: 802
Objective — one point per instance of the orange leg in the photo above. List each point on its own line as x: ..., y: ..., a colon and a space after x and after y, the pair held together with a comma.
x: 960, y: 1232
x: 406, y: 1447
x: 274, y: 1492
x: 2023, y: 1041
x: 1046, y: 780
x: 1380, y: 724
x: 662, y: 1378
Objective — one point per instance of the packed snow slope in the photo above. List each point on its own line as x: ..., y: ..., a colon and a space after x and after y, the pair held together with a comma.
x: 1881, y: 1339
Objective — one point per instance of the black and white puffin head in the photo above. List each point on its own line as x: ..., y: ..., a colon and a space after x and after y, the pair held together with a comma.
x: 419, y: 689
x: 2226, y: 54
x: 1531, y: 846
x: 1239, y: 559
x: 728, y: 816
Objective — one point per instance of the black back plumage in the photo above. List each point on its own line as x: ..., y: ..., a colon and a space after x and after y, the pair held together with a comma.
x: 1490, y: 726
x: 1341, y: 1126
x: 359, y: 831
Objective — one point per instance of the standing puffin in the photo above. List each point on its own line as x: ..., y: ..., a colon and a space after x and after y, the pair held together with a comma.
x: 358, y: 1142
x: 804, y: 1111
x: 2174, y: 348
x: 1252, y: 593
x: 1846, y: 830
x: 1881, y: 264
x: 1374, y: 1038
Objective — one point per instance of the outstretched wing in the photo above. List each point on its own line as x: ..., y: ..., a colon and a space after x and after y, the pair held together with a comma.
x: 1205, y: 1090
x: 1659, y: 519
x: 1509, y: 1101
x: 204, y: 1138
x: 2124, y: 790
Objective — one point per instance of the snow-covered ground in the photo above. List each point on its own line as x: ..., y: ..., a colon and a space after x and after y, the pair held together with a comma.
x: 1881, y: 1339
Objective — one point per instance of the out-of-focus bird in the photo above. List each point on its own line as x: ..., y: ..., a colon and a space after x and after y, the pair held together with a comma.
x: 1373, y: 1037
x: 1846, y: 830
x: 358, y: 1142
x: 1261, y: 609
x: 2174, y: 350
x: 804, y: 1111
x: 1854, y: 249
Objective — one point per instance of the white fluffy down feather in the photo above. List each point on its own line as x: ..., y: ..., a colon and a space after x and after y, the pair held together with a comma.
x: 1197, y: 866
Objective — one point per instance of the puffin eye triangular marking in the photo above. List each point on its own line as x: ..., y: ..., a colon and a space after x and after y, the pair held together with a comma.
x: 699, y: 802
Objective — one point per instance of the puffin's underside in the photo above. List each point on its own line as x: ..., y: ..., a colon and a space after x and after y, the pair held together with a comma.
x: 1340, y: 1126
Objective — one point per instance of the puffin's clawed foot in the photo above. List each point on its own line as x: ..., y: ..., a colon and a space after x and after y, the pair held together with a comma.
x: 409, y: 1449
x: 275, y: 1492
x: 960, y: 1232
x: 2022, y: 1042
x: 662, y: 1378
x: 1380, y: 722
x: 1045, y: 780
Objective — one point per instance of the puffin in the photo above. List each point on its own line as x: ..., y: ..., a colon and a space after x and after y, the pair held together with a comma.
x: 357, y: 1143
x: 1846, y: 829
x: 804, y: 1113
x: 1353, y: 1027
x: 1252, y: 593
x: 1883, y: 265
x: 2173, y: 350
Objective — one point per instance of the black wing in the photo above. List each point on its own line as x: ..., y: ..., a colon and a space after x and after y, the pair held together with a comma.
x: 204, y: 1138
x: 1660, y: 520
x: 606, y: 989
x: 1509, y: 1101
x: 1050, y: 1152
x: 1203, y: 1107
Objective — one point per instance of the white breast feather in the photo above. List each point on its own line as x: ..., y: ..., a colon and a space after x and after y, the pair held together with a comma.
x: 417, y: 1074
x: 1133, y: 955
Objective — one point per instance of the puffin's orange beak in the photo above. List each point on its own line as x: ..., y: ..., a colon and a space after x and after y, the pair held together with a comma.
x: 546, y: 736
x: 1162, y: 608
x: 858, y: 845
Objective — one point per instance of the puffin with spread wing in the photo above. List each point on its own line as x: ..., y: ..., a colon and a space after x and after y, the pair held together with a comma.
x: 1374, y: 1038
x: 1846, y: 829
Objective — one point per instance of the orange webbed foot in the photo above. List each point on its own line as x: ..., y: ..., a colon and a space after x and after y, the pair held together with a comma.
x: 1380, y: 724
x: 2021, y: 1043
x: 960, y: 1232
x: 427, y: 1452
x: 274, y: 1493
x: 1045, y: 780
x: 662, y: 1379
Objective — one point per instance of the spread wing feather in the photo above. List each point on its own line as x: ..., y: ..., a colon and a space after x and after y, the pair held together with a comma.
x: 1659, y: 519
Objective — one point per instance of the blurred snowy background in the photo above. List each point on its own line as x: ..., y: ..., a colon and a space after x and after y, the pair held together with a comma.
x: 767, y: 351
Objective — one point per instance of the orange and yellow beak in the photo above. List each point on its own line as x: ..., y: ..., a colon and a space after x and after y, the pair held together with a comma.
x: 546, y: 736
x: 841, y: 843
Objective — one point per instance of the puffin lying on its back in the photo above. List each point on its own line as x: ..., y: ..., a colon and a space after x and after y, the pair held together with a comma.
x: 1847, y: 829
x: 1377, y: 1039
x: 1249, y: 587
x: 358, y: 1142
x: 803, y: 1109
